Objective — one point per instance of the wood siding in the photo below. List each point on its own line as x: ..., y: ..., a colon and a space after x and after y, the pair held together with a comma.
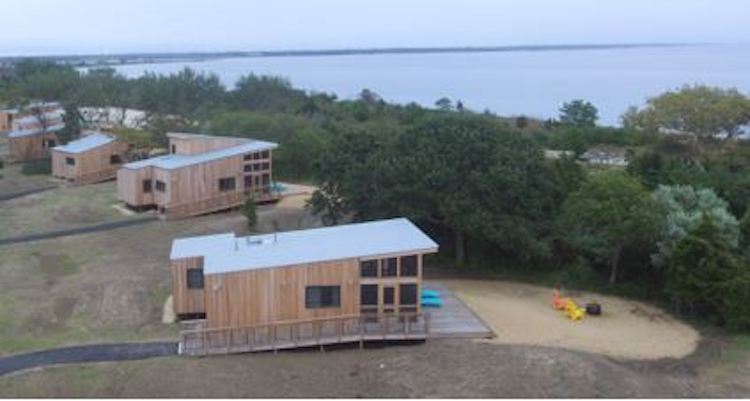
x: 29, y: 147
x: 186, y: 300
x: 196, y: 144
x: 277, y: 294
x: 91, y: 166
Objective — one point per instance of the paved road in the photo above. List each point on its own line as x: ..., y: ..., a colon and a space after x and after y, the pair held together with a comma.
x: 87, y: 353
x: 79, y: 230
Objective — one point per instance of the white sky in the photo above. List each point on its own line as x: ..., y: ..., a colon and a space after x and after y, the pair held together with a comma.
x: 108, y: 26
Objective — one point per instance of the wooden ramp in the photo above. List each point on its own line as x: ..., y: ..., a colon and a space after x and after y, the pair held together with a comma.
x: 198, y: 340
x: 454, y: 319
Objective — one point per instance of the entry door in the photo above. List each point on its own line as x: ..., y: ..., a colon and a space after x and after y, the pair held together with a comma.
x: 389, y: 299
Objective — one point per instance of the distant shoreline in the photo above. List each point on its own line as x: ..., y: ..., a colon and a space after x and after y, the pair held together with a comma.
x: 97, y: 60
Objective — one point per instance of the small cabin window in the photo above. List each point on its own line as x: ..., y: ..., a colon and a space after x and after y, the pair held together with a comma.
x: 266, y: 179
x: 388, y: 295
x: 408, y: 294
x: 146, y: 186
x: 266, y: 166
x: 368, y: 268
x: 265, y: 154
x: 115, y: 159
x: 322, y: 296
x: 247, y: 156
x: 256, y: 156
x: 70, y: 161
x: 49, y: 143
x: 161, y: 186
x: 247, y: 168
x: 174, y: 149
x: 409, y: 266
x: 388, y: 267
x: 226, y: 184
x: 368, y: 294
x: 194, y: 279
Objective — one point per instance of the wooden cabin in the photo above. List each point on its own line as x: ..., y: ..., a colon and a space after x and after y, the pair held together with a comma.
x: 19, y: 118
x: 202, y: 174
x: 345, y: 283
x: 32, y: 144
x: 92, y: 158
x: 34, y: 134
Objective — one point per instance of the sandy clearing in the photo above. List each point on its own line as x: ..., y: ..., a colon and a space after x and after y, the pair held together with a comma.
x: 522, y: 314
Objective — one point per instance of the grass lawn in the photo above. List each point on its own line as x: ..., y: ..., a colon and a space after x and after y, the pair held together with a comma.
x: 12, y: 180
x: 100, y: 287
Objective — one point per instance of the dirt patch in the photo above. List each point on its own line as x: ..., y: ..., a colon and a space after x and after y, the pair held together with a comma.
x: 522, y: 314
x: 439, y: 368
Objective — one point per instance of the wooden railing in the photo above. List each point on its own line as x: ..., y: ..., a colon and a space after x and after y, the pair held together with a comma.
x: 305, y: 333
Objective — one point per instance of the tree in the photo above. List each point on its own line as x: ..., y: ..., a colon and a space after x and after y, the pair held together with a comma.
x: 698, y: 110
x: 73, y: 124
x: 579, y: 113
x: 685, y: 209
x: 249, y: 211
x: 705, y: 277
x: 444, y: 104
x: 610, y: 212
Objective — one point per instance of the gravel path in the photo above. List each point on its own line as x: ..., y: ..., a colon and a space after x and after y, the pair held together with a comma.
x: 86, y: 353
x: 79, y: 230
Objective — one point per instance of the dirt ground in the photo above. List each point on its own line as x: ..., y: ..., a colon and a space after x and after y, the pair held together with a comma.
x: 439, y: 368
x: 522, y: 314
x: 105, y: 286
x: 12, y: 181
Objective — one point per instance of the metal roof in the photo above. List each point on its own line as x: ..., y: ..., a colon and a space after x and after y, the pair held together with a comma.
x: 35, y: 131
x: 87, y: 142
x: 224, y: 253
x: 173, y: 161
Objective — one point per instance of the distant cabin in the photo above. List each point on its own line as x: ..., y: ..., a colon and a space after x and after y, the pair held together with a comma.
x: 12, y: 118
x: 33, y: 135
x: 92, y: 158
x: 202, y: 174
x: 345, y: 283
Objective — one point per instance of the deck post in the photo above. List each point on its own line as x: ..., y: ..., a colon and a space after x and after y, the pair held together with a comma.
x: 361, y: 333
x: 273, y: 340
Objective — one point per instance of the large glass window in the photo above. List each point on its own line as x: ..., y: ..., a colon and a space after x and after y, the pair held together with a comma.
x: 322, y: 296
x: 226, y: 184
x: 70, y: 161
x: 409, y: 266
x: 194, y: 278
x: 161, y: 186
x: 368, y: 294
x: 389, y: 267
x: 407, y: 294
x: 368, y: 268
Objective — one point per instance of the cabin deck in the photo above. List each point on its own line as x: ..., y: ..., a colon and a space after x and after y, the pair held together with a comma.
x: 197, y: 340
x: 454, y: 319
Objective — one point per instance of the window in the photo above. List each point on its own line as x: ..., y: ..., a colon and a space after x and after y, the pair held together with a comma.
x: 266, y: 179
x: 256, y: 167
x: 247, y: 156
x: 115, y: 159
x: 257, y: 180
x: 408, y: 294
x: 161, y: 186
x: 409, y: 266
x: 174, y: 149
x: 146, y: 186
x: 226, y: 184
x: 248, y: 181
x: 368, y: 268
x: 327, y: 296
x: 256, y: 156
x: 70, y: 161
x: 247, y: 168
x: 266, y: 166
x: 388, y: 295
x: 368, y: 294
x: 388, y: 268
x: 194, y: 279
x: 265, y: 154
x: 49, y: 143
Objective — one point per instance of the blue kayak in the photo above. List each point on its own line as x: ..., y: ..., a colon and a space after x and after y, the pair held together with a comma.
x: 432, y: 302
x: 430, y: 294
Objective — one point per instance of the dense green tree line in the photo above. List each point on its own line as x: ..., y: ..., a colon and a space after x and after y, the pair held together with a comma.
x: 674, y: 224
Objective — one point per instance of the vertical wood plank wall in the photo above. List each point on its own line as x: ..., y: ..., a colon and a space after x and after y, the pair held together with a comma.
x: 185, y: 300
x: 29, y: 147
x: 93, y: 161
x: 267, y: 295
